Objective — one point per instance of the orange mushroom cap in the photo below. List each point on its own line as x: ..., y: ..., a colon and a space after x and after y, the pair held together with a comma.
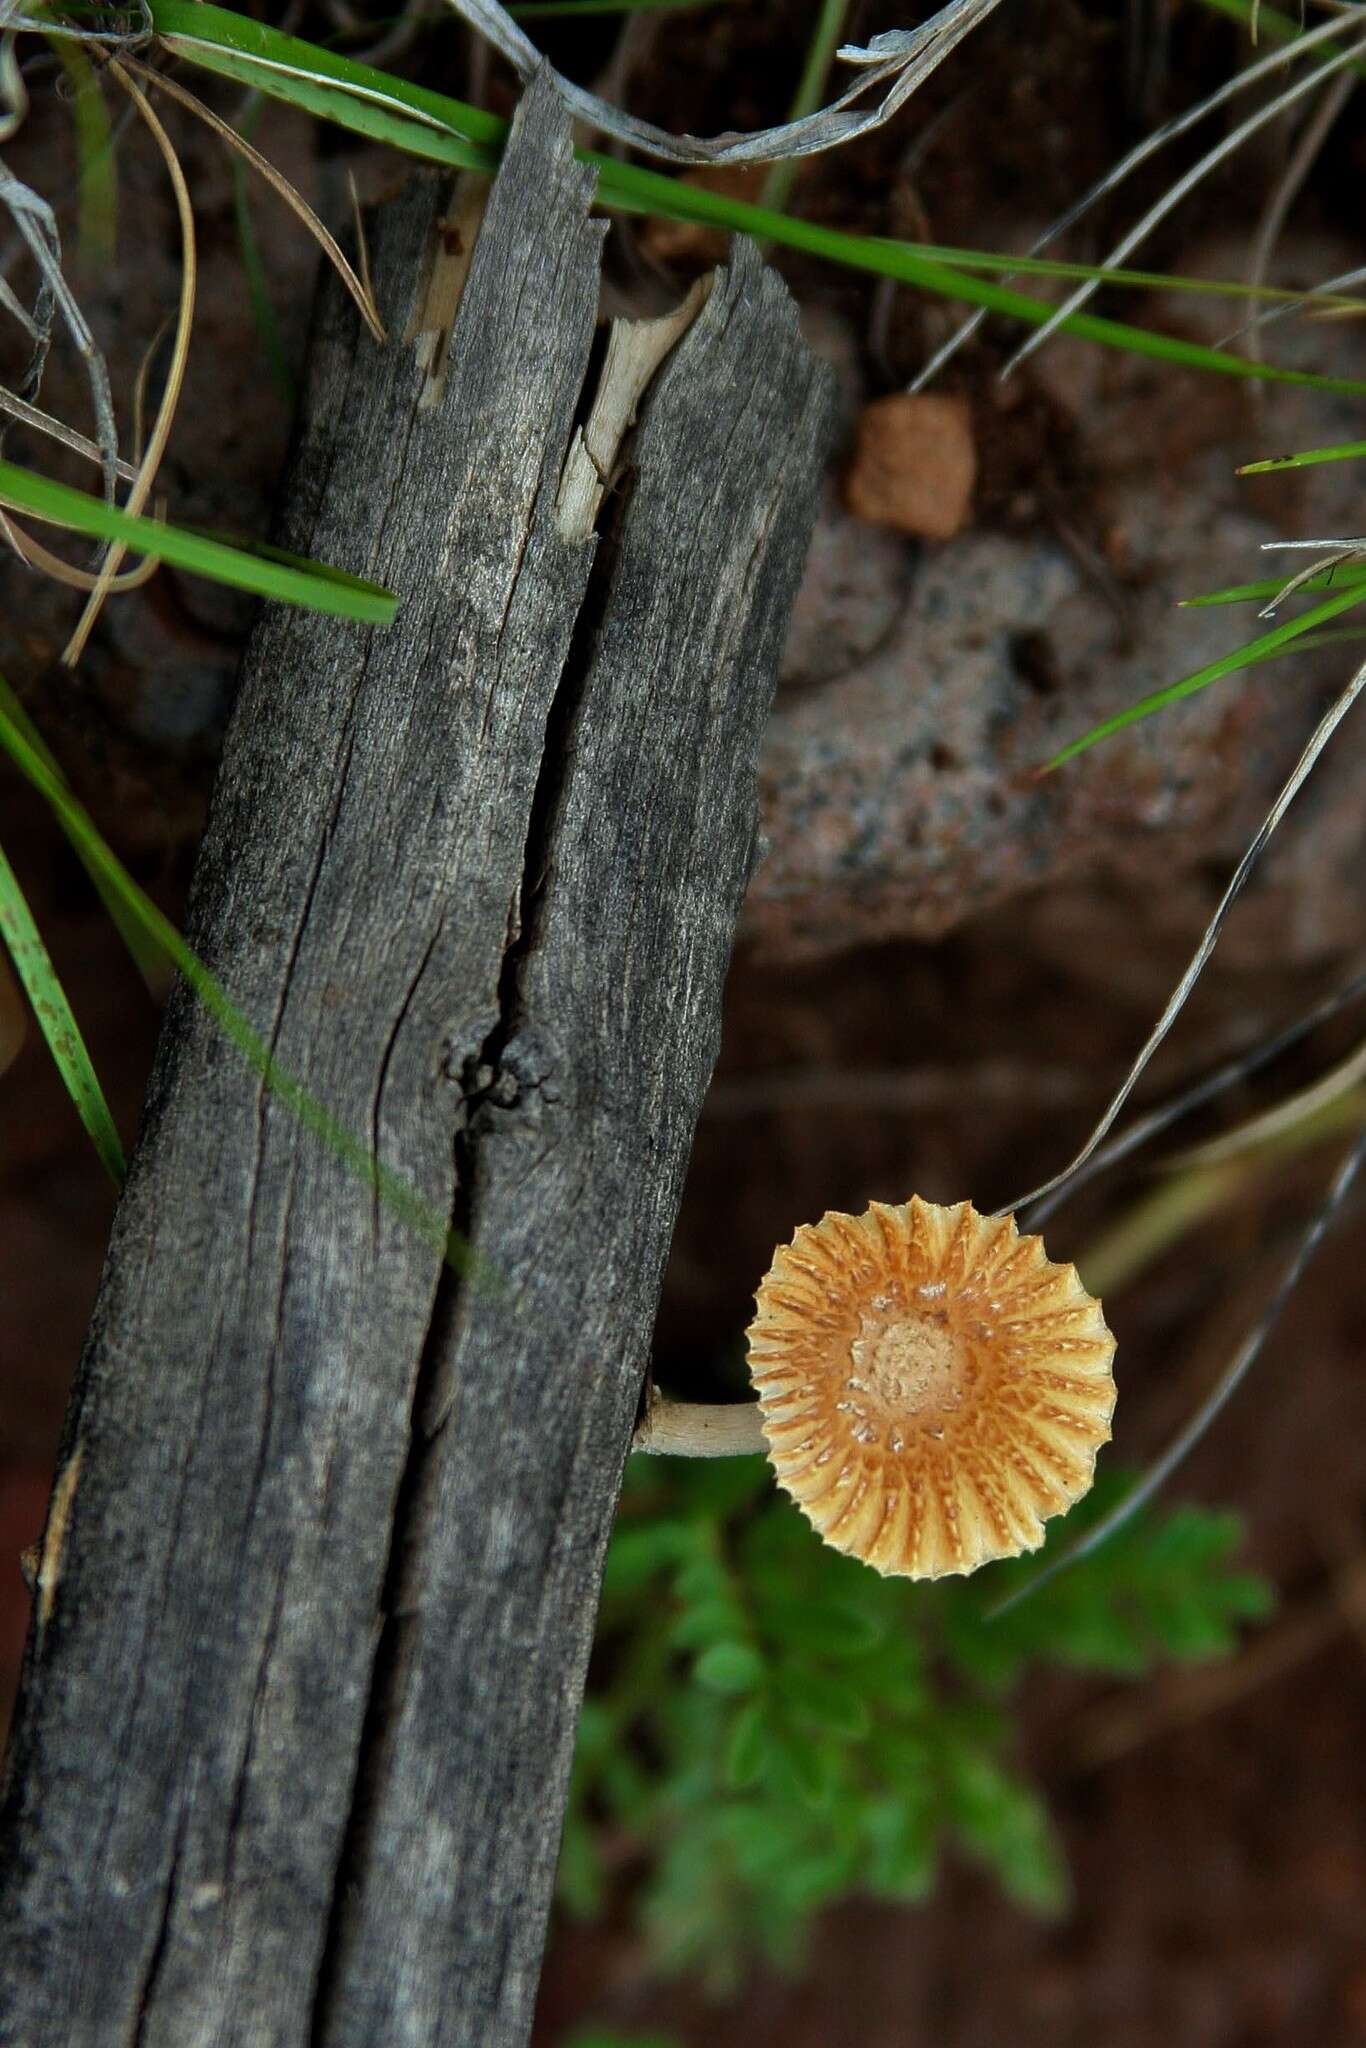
x: 931, y: 1385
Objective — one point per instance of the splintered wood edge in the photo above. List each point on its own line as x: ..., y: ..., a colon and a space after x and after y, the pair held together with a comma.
x: 636, y: 352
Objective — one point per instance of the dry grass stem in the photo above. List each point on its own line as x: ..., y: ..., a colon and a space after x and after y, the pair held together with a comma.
x: 42, y: 558
x: 1181, y: 189
x: 57, y: 430
x: 1168, y: 131
x: 358, y: 287
x: 1288, y: 188
x: 156, y: 446
x: 1299, y: 775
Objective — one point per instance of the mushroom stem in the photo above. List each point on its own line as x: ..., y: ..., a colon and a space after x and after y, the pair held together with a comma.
x: 699, y: 1429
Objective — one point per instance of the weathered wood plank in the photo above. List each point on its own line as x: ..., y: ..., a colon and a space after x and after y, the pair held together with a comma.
x: 290, y: 1760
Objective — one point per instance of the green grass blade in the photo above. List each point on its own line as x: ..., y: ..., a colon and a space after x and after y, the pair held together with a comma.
x: 315, y: 587
x: 826, y: 36
x: 34, y: 967
x: 220, y: 29
x: 1278, y: 640
x: 1308, y: 458
x: 400, y: 127
x: 148, y: 958
x: 258, y: 289
x: 635, y: 190
x: 430, y: 125
x: 391, y: 1188
x: 97, y: 185
x: 1336, y: 578
x: 1272, y: 26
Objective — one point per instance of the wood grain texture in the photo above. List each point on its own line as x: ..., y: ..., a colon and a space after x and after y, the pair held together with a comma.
x: 291, y: 1755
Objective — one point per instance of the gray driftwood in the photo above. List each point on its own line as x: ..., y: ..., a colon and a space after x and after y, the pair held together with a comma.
x: 320, y: 1574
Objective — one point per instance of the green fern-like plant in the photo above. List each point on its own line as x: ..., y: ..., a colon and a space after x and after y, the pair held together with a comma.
x: 771, y: 1727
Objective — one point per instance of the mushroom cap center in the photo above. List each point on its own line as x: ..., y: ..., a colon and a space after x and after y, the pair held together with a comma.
x: 910, y: 1361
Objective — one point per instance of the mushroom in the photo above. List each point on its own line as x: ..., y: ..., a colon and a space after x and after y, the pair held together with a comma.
x: 931, y: 1386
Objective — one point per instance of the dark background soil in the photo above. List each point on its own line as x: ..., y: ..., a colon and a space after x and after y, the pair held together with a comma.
x: 1214, y: 1821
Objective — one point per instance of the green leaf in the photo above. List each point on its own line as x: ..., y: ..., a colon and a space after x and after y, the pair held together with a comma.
x: 820, y: 1626
x: 804, y: 1766
x: 710, y: 1622
x: 610, y: 2037
x: 704, y: 1580
x: 830, y: 1703
x: 638, y: 1555
x: 816, y: 1879
x: 97, y: 177
x: 747, y: 1749
x: 148, y: 957
x: 901, y: 1837
x: 729, y: 1668
x: 56, y: 1021
x: 315, y: 587
x: 1006, y: 1823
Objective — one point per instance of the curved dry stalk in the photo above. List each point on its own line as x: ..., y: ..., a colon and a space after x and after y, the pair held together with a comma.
x: 39, y: 557
x: 1169, y: 131
x: 156, y: 446
x: 43, y: 423
x: 293, y: 198
x: 1303, y: 768
x: 1227, y: 1384
x: 1195, y: 1096
x: 1288, y: 188
x: 1181, y: 189
x: 897, y: 63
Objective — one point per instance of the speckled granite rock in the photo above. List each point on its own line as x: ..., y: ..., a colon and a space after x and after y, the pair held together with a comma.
x: 900, y: 798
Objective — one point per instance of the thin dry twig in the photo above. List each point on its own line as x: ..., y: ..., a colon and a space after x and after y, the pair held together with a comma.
x: 39, y: 557
x: 57, y: 430
x: 112, y: 34
x: 1289, y: 185
x: 1340, y: 552
x: 1195, y: 1095
x: 1179, y: 190
x: 1301, y: 772
x: 1168, y: 131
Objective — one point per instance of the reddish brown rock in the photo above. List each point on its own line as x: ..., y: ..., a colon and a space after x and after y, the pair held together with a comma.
x: 914, y: 466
